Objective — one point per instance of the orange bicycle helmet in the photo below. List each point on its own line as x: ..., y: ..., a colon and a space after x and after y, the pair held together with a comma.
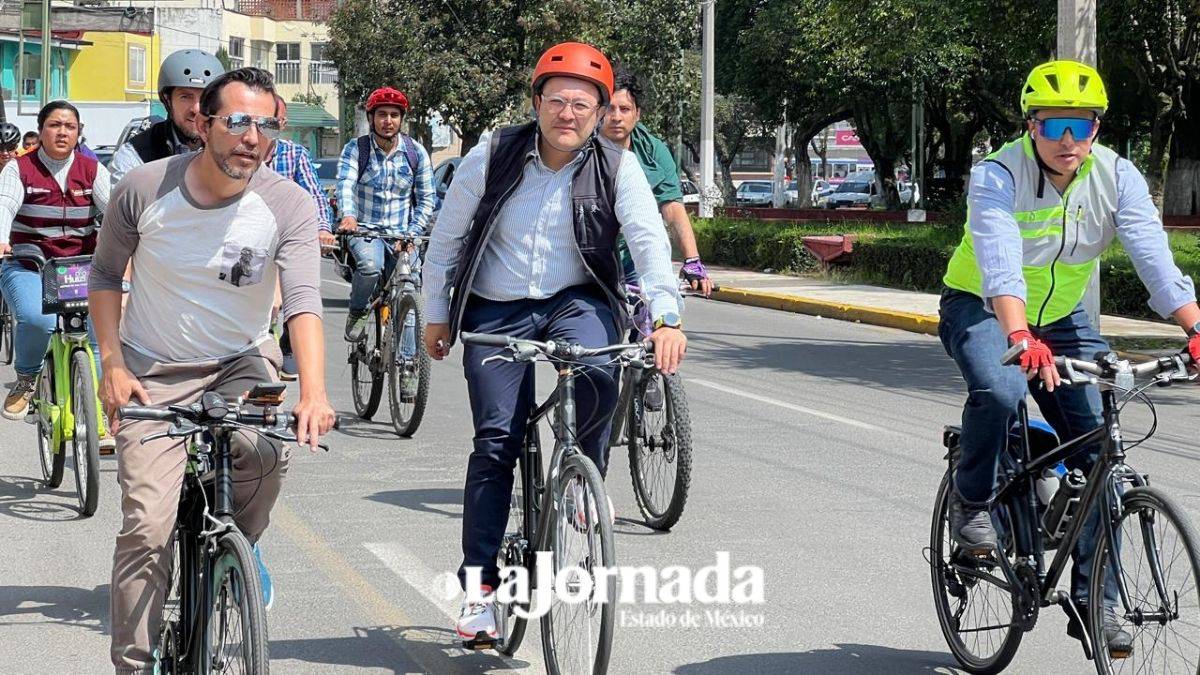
x: 575, y: 59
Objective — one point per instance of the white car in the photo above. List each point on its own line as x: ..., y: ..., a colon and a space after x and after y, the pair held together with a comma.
x: 852, y: 192
x: 691, y: 193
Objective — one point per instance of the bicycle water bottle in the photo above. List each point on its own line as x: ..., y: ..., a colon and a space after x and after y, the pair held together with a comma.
x: 1048, y: 484
x: 1064, y: 504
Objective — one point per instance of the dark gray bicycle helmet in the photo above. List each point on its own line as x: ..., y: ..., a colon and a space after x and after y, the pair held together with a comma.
x: 10, y: 135
x: 187, y: 68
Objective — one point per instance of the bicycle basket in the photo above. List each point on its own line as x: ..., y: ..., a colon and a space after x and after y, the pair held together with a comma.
x: 65, y: 284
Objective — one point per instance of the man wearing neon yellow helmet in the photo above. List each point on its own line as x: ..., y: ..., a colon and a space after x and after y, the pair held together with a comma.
x: 1041, y: 210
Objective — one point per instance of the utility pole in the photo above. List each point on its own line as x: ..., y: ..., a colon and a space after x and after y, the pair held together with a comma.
x: 779, y: 186
x: 708, y: 189
x: 1077, y: 41
x: 46, y: 52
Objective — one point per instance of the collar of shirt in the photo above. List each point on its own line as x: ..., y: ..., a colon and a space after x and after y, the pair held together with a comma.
x: 538, y: 162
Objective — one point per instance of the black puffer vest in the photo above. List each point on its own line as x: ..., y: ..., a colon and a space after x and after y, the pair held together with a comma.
x: 593, y: 194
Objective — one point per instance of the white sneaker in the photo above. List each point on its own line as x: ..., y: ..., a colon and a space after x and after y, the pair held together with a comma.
x: 477, y: 622
x: 581, y: 519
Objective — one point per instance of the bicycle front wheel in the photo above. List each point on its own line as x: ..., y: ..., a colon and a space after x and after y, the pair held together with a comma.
x: 408, y: 374
x: 85, y: 442
x: 366, y: 371
x: 660, y: 448
x: 976, y: 607
x: 236, y: 640
x: 577, y: 637
x: 1155, y: 564
x: 51, y: 454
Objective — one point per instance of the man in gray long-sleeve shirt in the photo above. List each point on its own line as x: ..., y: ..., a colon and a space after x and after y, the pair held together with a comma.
x: 207, y: 233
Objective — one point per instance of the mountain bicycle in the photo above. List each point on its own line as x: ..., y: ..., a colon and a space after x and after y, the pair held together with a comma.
x: 394, y: 347
x: 562, y: 508
x: 213, y: 619
x: 65, y: 405
x: 1146, y: 544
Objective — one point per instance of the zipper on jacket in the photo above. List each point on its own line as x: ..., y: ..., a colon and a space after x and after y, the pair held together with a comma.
x: 1062, y: 245
x: 1078, y: 220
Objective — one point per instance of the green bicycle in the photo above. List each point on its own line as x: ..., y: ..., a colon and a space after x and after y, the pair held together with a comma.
x: 65, y: 404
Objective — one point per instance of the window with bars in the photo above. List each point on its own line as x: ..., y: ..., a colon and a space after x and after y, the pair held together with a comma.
x: 287, y: 63
x: 321, y: 70
x: 237, y: 52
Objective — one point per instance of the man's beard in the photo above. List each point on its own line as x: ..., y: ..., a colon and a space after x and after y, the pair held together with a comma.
x: 191, y: 138
x: 223, y: 162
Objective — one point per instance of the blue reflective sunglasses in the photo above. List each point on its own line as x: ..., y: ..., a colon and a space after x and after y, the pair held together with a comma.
x: 1053, y: 128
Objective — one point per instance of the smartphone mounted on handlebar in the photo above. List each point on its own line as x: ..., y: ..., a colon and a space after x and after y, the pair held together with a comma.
x: 267, y: 394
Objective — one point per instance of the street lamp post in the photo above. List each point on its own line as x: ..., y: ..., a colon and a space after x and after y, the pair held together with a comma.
x: 708, y: 189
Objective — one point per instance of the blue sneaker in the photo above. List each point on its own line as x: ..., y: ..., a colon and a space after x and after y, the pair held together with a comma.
x: 264, y: 577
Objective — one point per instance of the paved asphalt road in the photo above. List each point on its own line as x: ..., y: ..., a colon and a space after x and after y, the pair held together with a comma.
x: 817, y: 459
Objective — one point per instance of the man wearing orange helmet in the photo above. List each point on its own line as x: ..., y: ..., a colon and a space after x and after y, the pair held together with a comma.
x: 385, y: 186
x: 526, y: 245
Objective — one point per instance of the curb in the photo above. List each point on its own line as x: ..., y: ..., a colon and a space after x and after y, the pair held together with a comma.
x: 909, y: 321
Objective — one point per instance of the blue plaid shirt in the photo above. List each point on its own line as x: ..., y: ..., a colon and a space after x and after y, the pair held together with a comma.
x: 292, y: 161
x: 380, y: 201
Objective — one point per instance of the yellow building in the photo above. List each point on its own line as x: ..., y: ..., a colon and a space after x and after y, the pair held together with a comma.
x: 116, y: 66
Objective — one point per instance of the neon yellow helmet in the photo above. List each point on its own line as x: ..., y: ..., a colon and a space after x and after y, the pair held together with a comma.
x: 1063, y: 84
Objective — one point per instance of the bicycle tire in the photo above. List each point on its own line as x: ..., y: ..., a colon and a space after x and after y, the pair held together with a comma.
x: 6, y: 333
x: 939, y: 542
x: 597, y: 525
x: 234, y: 575
x: 1152, y: 507
x: 168, y: 646
x: 406, y: 425
x: 367, y: 391
x: 85, y: 451
x: 53, y: 457
x: 674, y: 449
x: 527, y: 499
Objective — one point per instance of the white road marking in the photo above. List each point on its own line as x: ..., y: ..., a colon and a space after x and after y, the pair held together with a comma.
x: 784, y: 404
x: 416, y: 574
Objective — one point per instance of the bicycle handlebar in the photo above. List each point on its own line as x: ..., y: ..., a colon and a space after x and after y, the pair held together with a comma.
x: 526, y: 350
x: 1109, y: 367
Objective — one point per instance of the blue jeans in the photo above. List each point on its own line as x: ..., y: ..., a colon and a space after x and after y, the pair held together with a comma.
x: 22, y: 290
x: 502, y: 396
x: 374, y: 260
x: 973, y: 338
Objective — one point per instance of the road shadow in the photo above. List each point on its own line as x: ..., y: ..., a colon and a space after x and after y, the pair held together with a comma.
x: 336, y: 303
x: 29, y: 499
x: 61, y: 605
x: 402, y: 649
x: 350, y: 424
x: 424, y: 500
x: 843, y: 658
x: 636, y: 528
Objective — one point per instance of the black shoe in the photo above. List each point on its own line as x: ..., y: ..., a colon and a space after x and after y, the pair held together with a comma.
x: 971, y: 526
x: 1119, y: 642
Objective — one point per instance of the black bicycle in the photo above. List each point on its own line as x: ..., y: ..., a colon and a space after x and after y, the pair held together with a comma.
x: 567, y: 514
x: 397, y: 310
x: 213, y: 620
x: 985, y: 603
x: 653, y: 422
x: 6, y: 332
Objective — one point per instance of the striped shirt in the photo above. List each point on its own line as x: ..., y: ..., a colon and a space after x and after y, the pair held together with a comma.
x: 292, y: 161
x: 532, y: 252
x: 380, y: 201
x: 12, y: 192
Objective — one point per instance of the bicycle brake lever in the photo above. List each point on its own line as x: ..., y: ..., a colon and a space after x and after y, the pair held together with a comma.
x: 496, y: 357
x: 175, y: 431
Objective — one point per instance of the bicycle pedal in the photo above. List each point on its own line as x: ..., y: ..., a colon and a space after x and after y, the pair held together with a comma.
x: 1120, y: 653
x: 480, y: 642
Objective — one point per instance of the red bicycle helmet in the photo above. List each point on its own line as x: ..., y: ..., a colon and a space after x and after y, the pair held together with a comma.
x: 575, y: 59
x: 387, y: 96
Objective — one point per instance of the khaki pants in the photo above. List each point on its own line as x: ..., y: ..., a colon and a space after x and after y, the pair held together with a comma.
x: 151, y: 476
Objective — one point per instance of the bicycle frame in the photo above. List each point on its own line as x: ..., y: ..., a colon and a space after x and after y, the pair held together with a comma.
x: 61, y: 411
x: 1019, y: 494
x: 562, y: 402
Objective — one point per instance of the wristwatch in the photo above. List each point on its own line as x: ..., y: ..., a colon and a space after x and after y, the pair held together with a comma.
x: 668, y: 320
x: 1195, y: 329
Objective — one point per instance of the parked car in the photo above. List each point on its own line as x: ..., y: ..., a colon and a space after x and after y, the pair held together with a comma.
x: 753, y: 193
x: 443, y: 175
x: 136, y: 126
x: 821, y: 191
x: 326, y: 170
x: 691, y: 193
x: 852, y: 192
x: 104, y: 153
x: 791, y: 192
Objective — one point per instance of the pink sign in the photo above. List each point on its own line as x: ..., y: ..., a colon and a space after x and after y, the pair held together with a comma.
x: 845, y: 137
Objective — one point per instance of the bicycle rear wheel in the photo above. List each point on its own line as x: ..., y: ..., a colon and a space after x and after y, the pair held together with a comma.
x: 660, y: 448
x: 577, y: 638
x: 236, y: 641
x: 1157, y: 563
x: 366, y: 370
x: 408, y: 377
x: 6, y: 333
x: 85, y: 443
x: 168, y: 650
x: 976, y: 607
x: 52, y: 455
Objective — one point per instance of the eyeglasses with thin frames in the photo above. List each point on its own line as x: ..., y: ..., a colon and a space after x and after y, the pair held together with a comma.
x: 239, y: 123
x: 555, y: 105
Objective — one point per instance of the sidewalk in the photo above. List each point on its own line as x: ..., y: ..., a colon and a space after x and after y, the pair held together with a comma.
x: 906, y: 310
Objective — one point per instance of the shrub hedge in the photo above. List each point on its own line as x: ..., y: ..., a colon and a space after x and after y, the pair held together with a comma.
x: 912, y: 257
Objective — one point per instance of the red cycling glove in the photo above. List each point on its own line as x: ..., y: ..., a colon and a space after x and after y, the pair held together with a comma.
x: 1037, y: 354
x: 1193, y: 348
